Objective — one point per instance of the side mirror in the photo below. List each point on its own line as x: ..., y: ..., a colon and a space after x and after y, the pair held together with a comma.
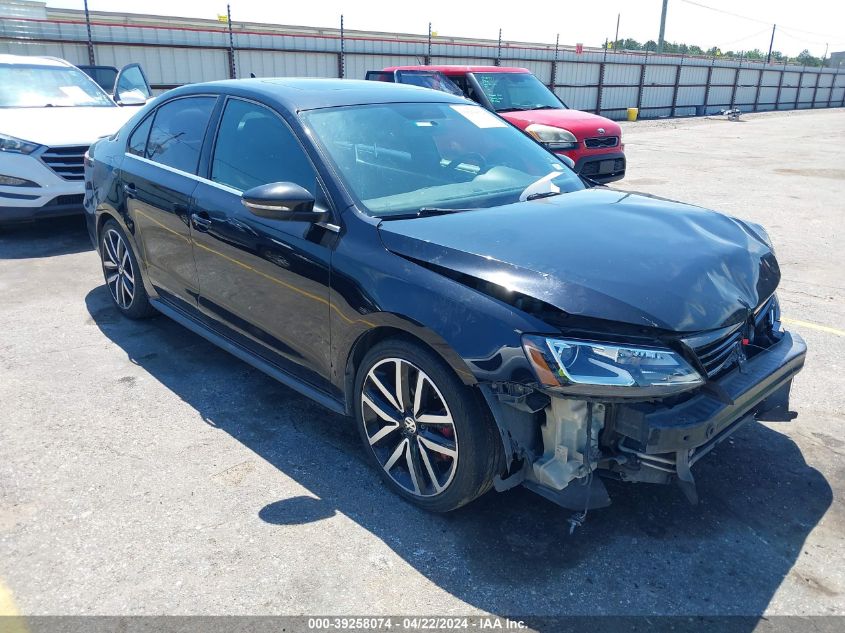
x: 282, y: 201
x: 567, y: 161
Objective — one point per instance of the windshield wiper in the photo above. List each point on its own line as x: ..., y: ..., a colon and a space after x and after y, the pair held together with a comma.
x: 423, y: 213
x: 526, y: 108
x: 541, y: 187
x: 544, y: 194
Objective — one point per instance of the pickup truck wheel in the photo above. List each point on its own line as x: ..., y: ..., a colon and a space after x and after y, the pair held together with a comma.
x: 427, y: 433
x: 122, y: 273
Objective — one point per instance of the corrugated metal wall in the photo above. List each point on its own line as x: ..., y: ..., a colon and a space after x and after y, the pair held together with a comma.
x: 193, y: 51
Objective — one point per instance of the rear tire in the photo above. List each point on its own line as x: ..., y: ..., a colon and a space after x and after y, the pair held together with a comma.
x: 122, y: 273
x: 427, y: 433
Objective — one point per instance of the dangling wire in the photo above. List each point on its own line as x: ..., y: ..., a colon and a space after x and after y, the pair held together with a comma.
x: 577, y: 520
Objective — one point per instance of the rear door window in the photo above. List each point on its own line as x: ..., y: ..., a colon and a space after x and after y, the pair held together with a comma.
x: 428, y: 79
x: 178, y: 131
x: 138, y: 141
x: 379, y: 75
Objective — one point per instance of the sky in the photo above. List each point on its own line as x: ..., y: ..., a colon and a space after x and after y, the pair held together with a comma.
x: 728, y: 24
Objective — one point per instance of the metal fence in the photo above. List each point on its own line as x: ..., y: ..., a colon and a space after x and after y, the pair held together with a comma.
x: 186, y: 51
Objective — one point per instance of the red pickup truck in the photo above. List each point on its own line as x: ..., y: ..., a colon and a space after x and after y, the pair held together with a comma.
x: 594, y: 143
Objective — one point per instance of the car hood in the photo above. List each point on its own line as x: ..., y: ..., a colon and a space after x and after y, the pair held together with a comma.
x: 604, y: 254
x: 581, y: 124
x: 63, y: 126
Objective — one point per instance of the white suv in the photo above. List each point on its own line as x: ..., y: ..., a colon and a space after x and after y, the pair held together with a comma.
x: 50, y: 112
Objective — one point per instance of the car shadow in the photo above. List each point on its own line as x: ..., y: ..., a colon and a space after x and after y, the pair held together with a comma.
x: 511, y: 553
x: 44, y: 238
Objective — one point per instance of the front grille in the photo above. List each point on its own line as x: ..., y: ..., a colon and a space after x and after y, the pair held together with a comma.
x: 721, y: 350
x: 71, y: 200
x: 64, y: 202
x: 66, y: 162
x: 603, y: 167
x: 717, y: 351
x: 601, y: 142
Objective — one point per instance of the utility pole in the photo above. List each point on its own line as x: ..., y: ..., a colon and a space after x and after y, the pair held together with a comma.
x: 90, y: 41
x: 233, y: 69
x: 499, y: 50
x: 342, y: 56
x: 771, y: 43
x: 616, y: 39
x: 428, y: 57
x: 824, y: 57
x: 660, y: 37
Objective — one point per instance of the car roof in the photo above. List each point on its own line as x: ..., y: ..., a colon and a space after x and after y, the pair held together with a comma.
x: 31, y: 60
x: 297, y: 94
x: 457, y: 69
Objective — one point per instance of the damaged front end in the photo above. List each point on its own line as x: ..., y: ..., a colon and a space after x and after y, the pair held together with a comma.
x: 639, y: 413
x: 640, y: 333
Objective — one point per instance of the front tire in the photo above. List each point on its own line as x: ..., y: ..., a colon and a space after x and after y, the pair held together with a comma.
x: 122, y: 273
x: 430, y: 438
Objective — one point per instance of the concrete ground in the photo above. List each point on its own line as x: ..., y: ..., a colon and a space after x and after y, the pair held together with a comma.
x: 143, y: 471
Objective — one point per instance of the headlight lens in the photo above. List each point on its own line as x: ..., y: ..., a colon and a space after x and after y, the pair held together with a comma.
x: 608, y: 369
x: 12, y: 144
x: 553, y: 137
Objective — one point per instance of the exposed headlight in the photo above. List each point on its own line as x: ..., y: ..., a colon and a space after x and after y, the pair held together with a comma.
x: 12, y: 144
x: 608, y: 369
x: 554, y: 138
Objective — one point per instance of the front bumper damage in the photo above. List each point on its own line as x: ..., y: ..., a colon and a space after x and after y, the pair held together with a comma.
x: 655, y: 442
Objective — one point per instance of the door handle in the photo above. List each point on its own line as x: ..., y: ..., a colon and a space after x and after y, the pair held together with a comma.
x: 200, y: 221
x: 129, y: 189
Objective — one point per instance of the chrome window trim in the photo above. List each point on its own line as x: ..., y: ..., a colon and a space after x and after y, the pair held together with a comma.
x: 184, y: 173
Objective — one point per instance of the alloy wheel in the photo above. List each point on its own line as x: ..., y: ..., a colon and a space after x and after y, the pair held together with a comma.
x: 120, y: 277
x: 409, y: 427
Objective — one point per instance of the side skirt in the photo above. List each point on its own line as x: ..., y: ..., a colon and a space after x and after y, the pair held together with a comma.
x: 248, y: 357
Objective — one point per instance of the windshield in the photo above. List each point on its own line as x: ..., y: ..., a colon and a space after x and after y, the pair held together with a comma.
x: 516, y: 91
x: 34, y: 86
x: 403, y: 157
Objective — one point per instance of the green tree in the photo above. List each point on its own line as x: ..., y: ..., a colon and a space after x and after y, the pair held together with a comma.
x: 651, y: 45
x: 806, y: 59
x: 627, y: 44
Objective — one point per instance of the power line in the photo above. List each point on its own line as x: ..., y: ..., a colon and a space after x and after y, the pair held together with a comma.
x: 736, y: 15
x: 802, y: 39
x: 747, y: 37
x: 750, y: 19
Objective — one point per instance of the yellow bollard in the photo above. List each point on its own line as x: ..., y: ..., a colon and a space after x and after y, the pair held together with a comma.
x: 632, y: 113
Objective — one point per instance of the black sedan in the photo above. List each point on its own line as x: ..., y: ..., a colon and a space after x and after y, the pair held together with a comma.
x: 406, y: 257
